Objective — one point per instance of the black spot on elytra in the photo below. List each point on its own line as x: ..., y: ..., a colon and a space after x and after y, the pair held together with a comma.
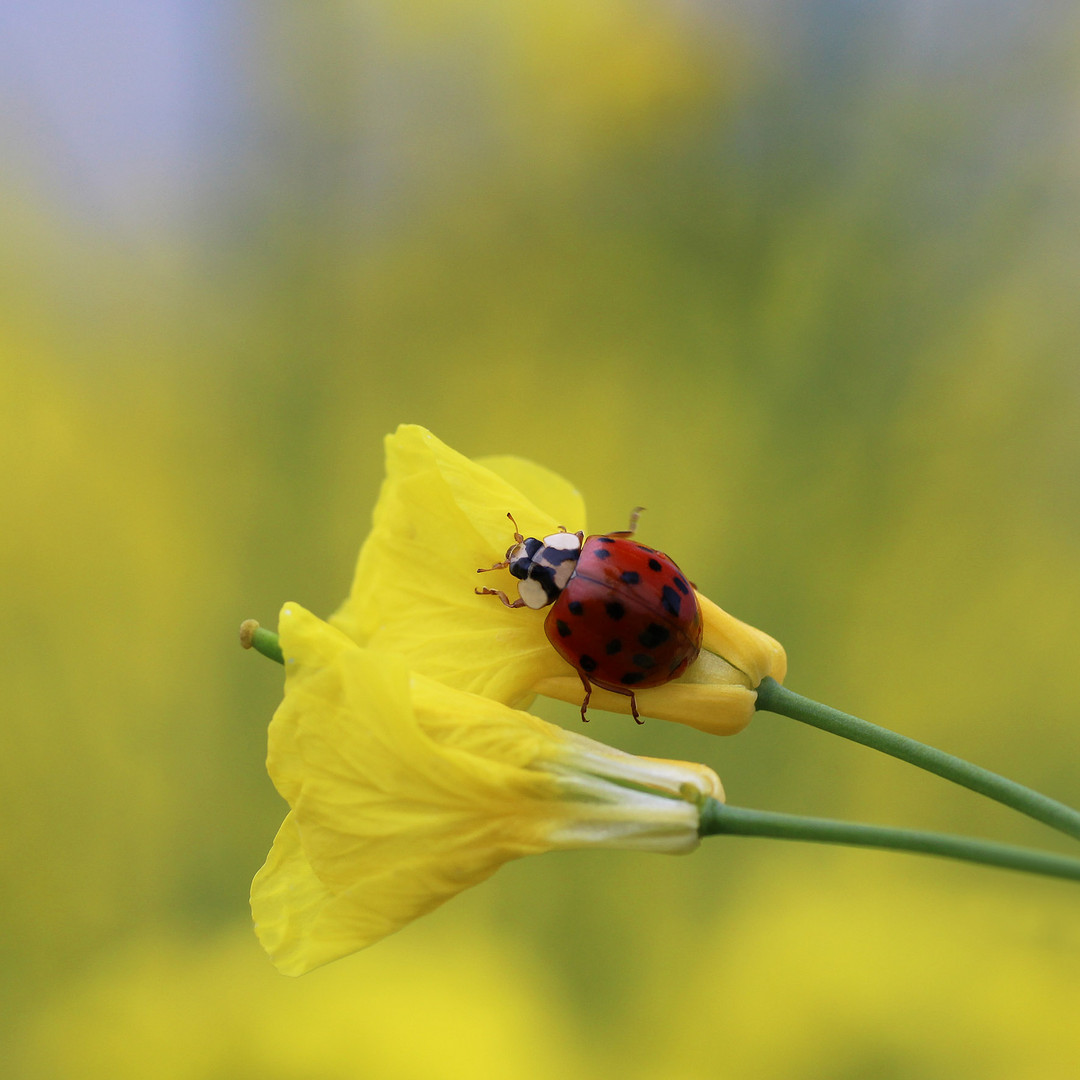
x: 614, y: 609
x: 632, y: 677
x: 576, y: 607
x: 642, y: 660
x: 654, y: 634
x: 670, y: 600
x: 655, y: 565
x: 630, y: 577
x: 681, y: 585
x: 613, y: 646
x: 606, y: 539
x: 602, y: 553
x: 564, y: 630
x: 586, y: 663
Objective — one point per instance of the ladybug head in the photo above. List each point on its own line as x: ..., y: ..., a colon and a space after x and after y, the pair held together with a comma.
x: 519, y: 557
x: 543, y: 567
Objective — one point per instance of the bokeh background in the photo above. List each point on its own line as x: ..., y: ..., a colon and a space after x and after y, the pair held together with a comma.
x: 801, y: 278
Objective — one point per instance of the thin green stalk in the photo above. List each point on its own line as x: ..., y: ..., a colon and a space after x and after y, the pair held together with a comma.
x: 717, y: 819
x: 779, y: 699
x: 253, y: 636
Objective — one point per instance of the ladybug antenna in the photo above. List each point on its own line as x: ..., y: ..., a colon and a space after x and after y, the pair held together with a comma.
x: 517, y: 532
x: 634, y: 515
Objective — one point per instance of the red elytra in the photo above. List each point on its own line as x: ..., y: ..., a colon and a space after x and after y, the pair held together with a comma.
x: 627, y: 619
x: 623, y: 615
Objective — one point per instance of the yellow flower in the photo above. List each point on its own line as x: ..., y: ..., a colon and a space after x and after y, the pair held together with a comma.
x: 403, y: 792
x: 439, y: 517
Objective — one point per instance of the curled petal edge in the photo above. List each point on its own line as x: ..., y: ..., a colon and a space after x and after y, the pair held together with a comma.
x: 743, y: 646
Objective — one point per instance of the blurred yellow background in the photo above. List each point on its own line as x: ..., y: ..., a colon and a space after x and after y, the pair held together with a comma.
x: 799, y: 278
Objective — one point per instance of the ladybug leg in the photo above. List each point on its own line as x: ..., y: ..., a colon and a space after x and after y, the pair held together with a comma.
x: 634, y: 515
x: 502, y: 596
x: 498, y: 566
x: 588, y: 694
x: 633, y: 701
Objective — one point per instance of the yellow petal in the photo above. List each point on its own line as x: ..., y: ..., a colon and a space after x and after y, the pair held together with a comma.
x: 439, y: 518
x: 542, y: 487
x: 302, y: 923
x: 718, y: 708
x: 741, y: 645
x: 307, y: 636
x: 299, y: 922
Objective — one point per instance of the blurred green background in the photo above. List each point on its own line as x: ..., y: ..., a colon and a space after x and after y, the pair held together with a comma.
x: 798, y: 277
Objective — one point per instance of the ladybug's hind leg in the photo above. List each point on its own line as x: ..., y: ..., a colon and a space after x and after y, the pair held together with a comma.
x: 633, y: 701
x: 588, y: 694
x: 634, y: 515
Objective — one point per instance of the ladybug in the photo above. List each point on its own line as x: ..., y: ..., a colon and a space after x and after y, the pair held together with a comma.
x: 622, y: 614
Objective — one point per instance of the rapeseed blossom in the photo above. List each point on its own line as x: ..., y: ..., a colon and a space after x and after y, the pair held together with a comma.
x: 404, y: 791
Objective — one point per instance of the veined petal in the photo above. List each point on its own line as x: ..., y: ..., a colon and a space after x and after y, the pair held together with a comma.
x: 683, y: 778
x: 439, y: 518
x: 308, y: 636
x: 298, y: 920
x: 404, y: 792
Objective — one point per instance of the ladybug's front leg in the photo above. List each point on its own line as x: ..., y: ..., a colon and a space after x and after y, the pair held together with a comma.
x: 588, y: 694
x: 502, y: 596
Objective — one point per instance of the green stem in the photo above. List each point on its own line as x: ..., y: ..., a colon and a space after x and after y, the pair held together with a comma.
x: 720, y: 820
x: 253, y: 636
x: 778, y: 699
